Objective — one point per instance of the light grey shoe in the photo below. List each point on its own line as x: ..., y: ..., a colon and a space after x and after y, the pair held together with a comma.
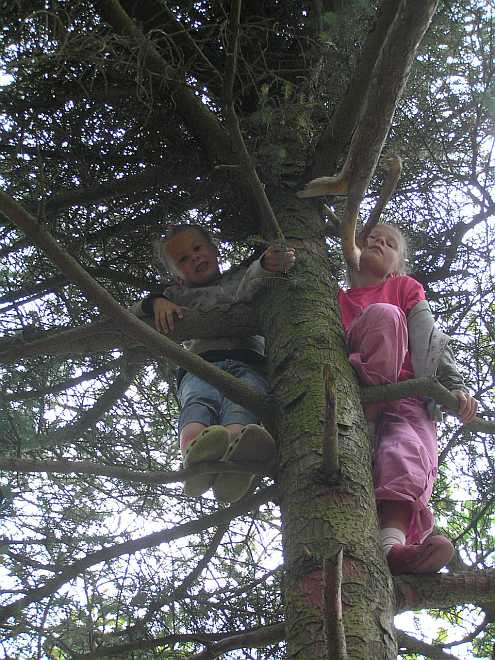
x: 209, y: 445
x: 253, y: 444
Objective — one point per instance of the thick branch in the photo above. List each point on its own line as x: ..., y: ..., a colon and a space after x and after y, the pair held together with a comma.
x: 390, y: 75
x: 337, y: 136
x: 131, y: 325
x: 389, y: 78
x: 429, y: 387
x: 237, y: 320
x: 443, y: 591
x: 130, y: 547
x: 123, y: 474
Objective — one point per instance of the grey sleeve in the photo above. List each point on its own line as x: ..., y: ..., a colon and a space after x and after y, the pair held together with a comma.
x: 144, y: 308
x: 430, y: 353
x: 255, y: 278
x: 448, y: 372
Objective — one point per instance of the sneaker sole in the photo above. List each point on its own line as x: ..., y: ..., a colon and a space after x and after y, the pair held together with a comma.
x: 253, y: 444
x: 209, y: 445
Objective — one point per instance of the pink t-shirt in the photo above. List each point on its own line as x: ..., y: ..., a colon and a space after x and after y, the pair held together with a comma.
x: 403, y: 292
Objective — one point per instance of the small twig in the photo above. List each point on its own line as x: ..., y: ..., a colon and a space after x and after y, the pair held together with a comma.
x: 333, y: 219
x: 332, y: 607
x: 157, y: 603
x: 190, y: 41
x: 268, y: 217
x: 231, y: 52
x: 330, y: 463
x: 481, y: 512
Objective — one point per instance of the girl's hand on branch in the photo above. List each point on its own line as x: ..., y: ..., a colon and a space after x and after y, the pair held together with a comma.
x: 278, y: 260
x: 164, y: 312
x: 467, y: 406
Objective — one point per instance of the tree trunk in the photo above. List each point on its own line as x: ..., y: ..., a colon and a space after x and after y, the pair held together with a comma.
x: 323, y: 513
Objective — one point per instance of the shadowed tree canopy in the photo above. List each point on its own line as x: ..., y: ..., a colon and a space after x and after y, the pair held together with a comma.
x: 121, y: 118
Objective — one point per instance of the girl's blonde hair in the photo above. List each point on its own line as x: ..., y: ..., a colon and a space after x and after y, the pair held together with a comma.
x: 403, y: 265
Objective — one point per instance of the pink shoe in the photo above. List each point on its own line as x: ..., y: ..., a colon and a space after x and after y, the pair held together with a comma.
x: 427, y: 557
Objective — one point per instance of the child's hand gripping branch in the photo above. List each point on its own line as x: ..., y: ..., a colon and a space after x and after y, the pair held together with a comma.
x: 278, y: 260
x: 165, y: 312
x: 467, y: 406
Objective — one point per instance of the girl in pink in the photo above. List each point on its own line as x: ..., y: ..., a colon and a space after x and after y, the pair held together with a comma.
x: 391, y: 336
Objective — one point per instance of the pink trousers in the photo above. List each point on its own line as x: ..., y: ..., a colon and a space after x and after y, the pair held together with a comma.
x: 405, y: 455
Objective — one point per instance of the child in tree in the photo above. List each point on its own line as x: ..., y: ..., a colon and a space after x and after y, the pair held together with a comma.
x: 391, y: 336
x: 211, y: 427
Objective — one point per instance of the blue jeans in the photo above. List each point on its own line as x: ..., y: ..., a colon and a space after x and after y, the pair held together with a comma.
x: 203, y: 403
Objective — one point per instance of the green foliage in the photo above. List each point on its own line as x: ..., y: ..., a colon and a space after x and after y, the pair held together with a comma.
x: 101, y: 152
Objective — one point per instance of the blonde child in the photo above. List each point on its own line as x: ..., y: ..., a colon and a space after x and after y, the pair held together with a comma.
x: 211, y: 427
x: 391, y: 336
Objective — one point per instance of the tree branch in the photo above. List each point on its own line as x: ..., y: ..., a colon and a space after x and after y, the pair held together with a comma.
x: 429, y: 387
x: 244, y: 505
x: 179, y: 593
x: 442, y: 590
x: 255, y: 639
x: 238, y: 320
x: 414, y: 645
x: 200, y: 121
x: 123, y: 474
x: 332, y: 607
x: 153, y: 176
x: 337, y: 135
x: 218, y: 643
x: 270, y: 224
x: 131, y: 325
x: 72, y: 431
x: 389, y: 78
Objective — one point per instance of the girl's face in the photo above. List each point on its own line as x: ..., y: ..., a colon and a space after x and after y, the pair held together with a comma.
x: 380, y: 255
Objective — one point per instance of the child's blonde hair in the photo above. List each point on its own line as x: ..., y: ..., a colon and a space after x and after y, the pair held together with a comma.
x: 160, y: 245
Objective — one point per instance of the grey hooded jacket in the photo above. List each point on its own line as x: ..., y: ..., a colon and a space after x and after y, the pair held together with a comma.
x: 236, y: 285
x: 430, y: 354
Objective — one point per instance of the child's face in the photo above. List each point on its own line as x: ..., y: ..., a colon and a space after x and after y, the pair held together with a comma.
x: 193, y: 257
x: 381, y: 253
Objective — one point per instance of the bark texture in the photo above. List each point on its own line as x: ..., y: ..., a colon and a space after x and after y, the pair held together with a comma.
x: 320, y: 517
